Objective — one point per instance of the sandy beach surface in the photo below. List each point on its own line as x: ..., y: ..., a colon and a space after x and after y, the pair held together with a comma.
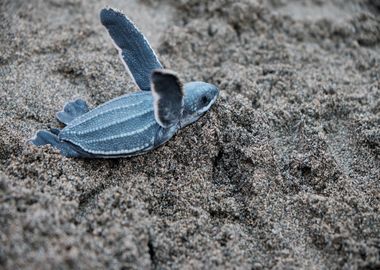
x: 283, y: 172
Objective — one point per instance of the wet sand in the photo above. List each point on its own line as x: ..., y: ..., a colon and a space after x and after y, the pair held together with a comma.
x: 283, y: 172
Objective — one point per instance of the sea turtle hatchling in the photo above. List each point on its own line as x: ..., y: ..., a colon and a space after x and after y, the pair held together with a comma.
x: 135, y: 123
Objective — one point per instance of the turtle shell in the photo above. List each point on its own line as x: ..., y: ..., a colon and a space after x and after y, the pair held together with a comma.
x: 122, y: 126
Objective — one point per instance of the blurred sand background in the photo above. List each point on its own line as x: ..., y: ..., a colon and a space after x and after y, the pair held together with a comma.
x: 283, y: 172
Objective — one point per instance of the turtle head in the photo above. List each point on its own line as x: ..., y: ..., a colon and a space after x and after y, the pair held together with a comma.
x: 198, y: 98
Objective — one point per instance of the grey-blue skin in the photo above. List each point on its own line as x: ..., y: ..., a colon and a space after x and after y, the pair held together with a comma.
x: 136, y: 123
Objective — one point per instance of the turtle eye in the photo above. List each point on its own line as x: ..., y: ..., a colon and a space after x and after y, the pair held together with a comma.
x: 205, y: 100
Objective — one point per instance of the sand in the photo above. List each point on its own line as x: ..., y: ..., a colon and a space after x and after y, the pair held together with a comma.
x: 283, y: 172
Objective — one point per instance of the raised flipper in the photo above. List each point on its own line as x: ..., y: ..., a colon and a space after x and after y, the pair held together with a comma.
x: 44, y: 137
x: 72, y: 110
x: 167, y: 92
x: 137, y: 55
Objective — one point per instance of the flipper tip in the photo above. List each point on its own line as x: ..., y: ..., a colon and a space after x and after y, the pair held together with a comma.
x: 108, y: 15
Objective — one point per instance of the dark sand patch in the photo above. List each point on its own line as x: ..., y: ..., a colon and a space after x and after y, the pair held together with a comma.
x: 284, y: 171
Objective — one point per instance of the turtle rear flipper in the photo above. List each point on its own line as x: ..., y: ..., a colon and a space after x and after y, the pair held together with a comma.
x: 44, y: 137
x: 72, y: 110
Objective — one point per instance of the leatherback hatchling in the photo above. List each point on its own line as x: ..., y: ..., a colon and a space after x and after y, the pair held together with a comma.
x: 135, y: 123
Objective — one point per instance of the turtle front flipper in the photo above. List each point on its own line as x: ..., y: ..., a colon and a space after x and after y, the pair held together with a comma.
x: 168, y: 94
x: 137, y: 55
x: 44, y: 137
x: 72, y: 110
